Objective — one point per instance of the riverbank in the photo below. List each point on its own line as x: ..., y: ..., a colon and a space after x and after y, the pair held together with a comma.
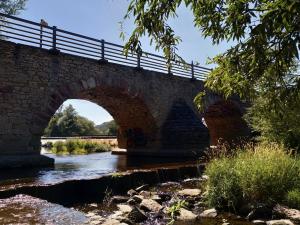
x: 78, y: 147
x: 159, y: 196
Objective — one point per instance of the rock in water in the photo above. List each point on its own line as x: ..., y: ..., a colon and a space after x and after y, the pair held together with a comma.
x: 150, y: 205
x: 292, y: 214
x: 190, y: 192
x: 136, y: 215
x: 211, y: 213
x: 280, y: 222
x: 186, y: 215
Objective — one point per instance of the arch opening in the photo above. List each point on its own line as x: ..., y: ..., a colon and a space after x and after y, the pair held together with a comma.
x: 136, y: 126
x: 224, y: 120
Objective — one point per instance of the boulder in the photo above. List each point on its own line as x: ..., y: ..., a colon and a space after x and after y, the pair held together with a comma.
x: 279, y: 222
x: 283, y: 211
x: 136, y: 215
x: 132, y: 192
x: 124, y: 208
x: 137, y: 198
x: 190, y: 192
x: 150, y: 205
x: 119, y: 199
x: 260, y: 212
x: 146, y: 194
x: 209, y: 213
x: 186, y: 215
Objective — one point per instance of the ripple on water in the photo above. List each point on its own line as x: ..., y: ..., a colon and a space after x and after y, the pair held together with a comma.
x: 23, y: 209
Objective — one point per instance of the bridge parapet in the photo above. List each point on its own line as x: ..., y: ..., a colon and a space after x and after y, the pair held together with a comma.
x: 58, y: 40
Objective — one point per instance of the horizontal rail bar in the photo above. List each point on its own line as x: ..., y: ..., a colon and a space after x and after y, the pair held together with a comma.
x: 23, y: 30
x: 21, y: 25
x: 73, y: 39
x: 24, y: 40
x: 22, y: 35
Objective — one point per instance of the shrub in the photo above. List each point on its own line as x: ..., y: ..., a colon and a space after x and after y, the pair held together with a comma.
x: 260, y: 174
x: 78, y: 147
x: 293, y: 198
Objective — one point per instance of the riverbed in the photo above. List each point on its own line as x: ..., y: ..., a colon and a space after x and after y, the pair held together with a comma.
x: 24, y: 209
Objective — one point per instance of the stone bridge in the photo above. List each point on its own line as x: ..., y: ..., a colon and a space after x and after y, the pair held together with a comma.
x: 155, y: 111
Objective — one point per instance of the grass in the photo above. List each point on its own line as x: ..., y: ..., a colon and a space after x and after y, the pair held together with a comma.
x: 78, y: 147
x: 265, y: 173
x: 174, y: 210
x: 293, y: 198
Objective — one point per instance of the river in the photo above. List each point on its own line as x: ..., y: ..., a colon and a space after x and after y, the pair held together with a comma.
x: 76, y: 167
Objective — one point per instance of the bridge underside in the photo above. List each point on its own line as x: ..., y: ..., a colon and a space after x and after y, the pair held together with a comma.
x: 155, y: 111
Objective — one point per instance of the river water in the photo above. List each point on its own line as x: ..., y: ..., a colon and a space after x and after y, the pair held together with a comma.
x: 22, y: 209
x: 78, y: 167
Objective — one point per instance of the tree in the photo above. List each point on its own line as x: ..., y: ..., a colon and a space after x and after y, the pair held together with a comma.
x: 12, y: 7
x: 108, y: 128
x: 67, y: 123
x: 260, y: 68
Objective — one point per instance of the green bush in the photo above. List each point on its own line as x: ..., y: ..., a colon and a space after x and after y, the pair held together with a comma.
x: 293, y: 198
x: 78, y: 147
x: 261, y: 174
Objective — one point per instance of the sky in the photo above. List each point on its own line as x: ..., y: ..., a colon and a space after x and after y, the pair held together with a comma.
x: 101, y: 19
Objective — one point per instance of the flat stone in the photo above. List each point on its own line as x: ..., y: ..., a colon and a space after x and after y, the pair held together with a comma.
x: 186, y: 215
x: 279, y: 222
x: 132, y: 192
x: 259, y: 222
x: 190, y: 192
x: 146, y: 194
x: 124, y: 208
x: 119, y: 199
x: 150, y: 205
x: 210, y: 213
x: 156, y: 198
x: 142, y: 188
x: 113, y: 222
x: 90, y: 214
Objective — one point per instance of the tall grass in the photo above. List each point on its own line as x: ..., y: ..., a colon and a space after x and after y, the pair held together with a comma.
x: 77, y: 147
x: 264, y: 173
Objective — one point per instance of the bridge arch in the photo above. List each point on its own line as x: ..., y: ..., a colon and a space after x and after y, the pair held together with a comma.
x: 34, y: 83
x: 224, y: 120
x: 137, y: 126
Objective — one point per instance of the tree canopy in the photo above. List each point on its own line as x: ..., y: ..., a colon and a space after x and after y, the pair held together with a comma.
x: 261, y: 67
x: 11, y: 7
x: 67, y: 123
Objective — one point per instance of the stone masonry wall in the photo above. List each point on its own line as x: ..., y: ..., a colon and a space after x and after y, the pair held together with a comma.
x: 154, y: 110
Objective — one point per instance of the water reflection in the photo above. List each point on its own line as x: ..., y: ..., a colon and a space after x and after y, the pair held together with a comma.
x: 82, y: 167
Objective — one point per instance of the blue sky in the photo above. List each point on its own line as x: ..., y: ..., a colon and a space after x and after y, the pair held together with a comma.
x: 100, y: 19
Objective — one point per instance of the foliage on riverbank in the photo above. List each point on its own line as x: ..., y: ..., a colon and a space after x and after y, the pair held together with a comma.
x: 265, y: 173
x: 78, y: 147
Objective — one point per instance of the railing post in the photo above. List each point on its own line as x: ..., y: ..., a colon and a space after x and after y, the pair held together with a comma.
x: 41, y: 36
x: 192, y: 68
x: 102, y: 60
x: 54, y: 38
x: 169, y: 67
x: 138, y: 59
x: 54, y: 50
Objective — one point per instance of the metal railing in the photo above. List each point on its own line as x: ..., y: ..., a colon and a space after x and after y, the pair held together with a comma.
x: 41, y: 35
